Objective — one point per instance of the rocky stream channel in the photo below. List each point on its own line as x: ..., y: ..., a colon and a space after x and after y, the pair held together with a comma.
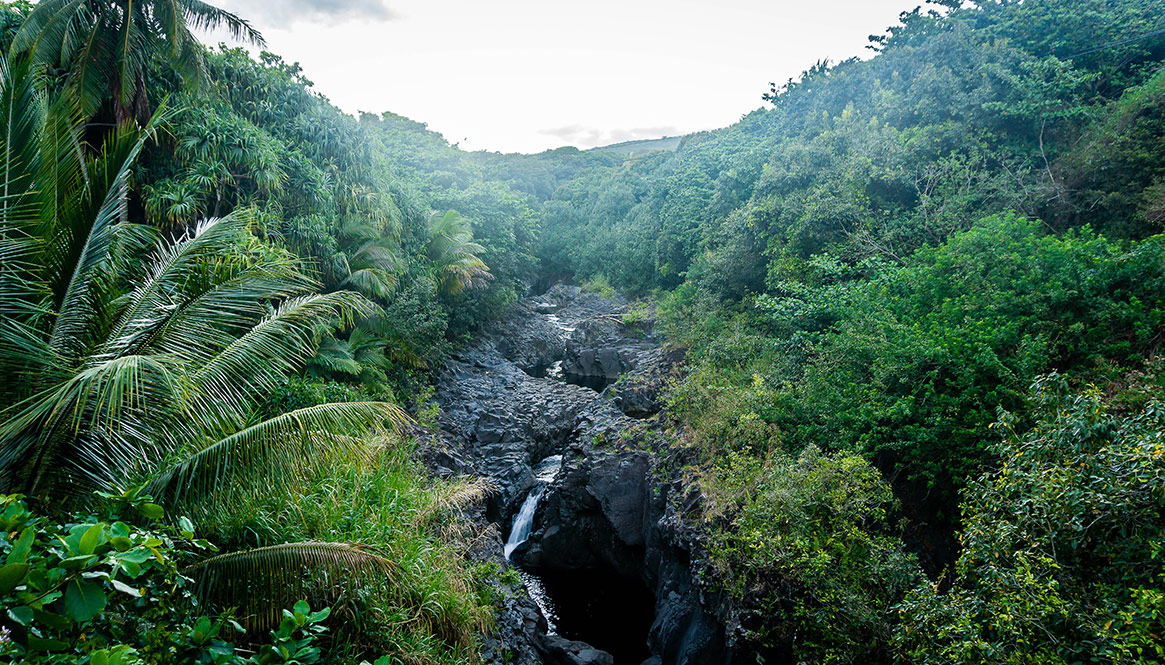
x: 583, y: 508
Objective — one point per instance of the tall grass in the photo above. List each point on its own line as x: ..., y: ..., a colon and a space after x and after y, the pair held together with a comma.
x: 434, y: 609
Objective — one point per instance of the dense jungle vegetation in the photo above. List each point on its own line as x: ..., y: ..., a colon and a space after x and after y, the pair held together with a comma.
x: 921, y: 297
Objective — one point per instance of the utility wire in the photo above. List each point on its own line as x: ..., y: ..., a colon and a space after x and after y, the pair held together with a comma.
x: 1130, y: 40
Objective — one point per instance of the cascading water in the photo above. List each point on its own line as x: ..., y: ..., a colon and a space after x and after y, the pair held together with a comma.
x: 544, y: 474
x: 524, y: 520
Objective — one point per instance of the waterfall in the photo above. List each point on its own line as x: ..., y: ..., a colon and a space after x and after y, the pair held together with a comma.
x: 545, y: 472
x: 523, y: 521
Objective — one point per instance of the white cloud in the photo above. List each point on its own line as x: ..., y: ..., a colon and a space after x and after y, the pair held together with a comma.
x: 283, y: 13
x: 582, y: 136
x: 527, y: 75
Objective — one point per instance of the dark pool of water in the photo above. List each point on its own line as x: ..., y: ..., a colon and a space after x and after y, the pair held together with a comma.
x: 554, y: 371
x: 595, y: 383
x: 603, y: 609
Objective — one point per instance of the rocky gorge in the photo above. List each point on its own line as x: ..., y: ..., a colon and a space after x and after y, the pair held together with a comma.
x: 557, y: 405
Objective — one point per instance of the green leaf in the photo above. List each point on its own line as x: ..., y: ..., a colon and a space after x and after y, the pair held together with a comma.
x: 84, y: 600
x: 151, y: 511
x: 125, y: 588
x: 131, y: 568
x: 38, y: 644
x: 51, y: 619
x: 91, y: 539
x: 137, y: 556
x: 23, y: 546
x: 78, y: 562
x: 121, y: 543
x: 21, y: 615
x: 11, y: 575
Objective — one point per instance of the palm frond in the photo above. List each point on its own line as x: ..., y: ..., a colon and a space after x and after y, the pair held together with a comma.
x: 206, y: 17
x: 98, y: 404
x: 211, y: 313
x: 194, y: 267
x: 47, y: 26
x: 22, y: 114
x: 263, y: 581
x: 371, y: 282
x: 254, y: 362
x: 86, y: 250
x: 454, y: 254
x: 276, y: 448
x: 335, y: 355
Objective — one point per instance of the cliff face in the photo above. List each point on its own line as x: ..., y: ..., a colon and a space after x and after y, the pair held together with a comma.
x: 620, y: 564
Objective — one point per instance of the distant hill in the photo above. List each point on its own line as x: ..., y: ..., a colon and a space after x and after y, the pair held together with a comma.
x: 642, y: 146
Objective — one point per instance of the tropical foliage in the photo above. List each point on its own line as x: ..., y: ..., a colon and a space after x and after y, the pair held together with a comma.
x: 107, y: 591
x: 140, y: 360
x: 811, y: 553
x: 106, y: 48
x: 871, y: 268
x: 209, y: 328
x: 1061, y: 558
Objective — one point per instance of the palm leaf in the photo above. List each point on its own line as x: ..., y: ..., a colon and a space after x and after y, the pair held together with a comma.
x: 260, y: 582
x: 62, y: 431
x: 206, y: 17
x: 254, y: 362
x: 195, y: 267
x: 371, y: 282
x: 85, y: 250
x: 276, y: 449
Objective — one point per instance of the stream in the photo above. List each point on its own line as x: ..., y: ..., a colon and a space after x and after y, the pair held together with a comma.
x: 523, y: 523
x: 533, y: 404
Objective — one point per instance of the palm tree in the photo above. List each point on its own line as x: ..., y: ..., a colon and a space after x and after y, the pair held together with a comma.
x: 128, y: 358
x: 370, y: 263
x: 106, y: 45
x: 454, y: 254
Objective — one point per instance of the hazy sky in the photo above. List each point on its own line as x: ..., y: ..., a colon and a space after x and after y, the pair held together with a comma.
x: 527, y: 75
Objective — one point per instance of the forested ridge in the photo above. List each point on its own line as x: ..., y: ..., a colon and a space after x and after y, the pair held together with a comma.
x: 919, y: 299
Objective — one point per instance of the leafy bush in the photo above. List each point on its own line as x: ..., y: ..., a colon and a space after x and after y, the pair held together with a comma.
x: 600, y: 286
x: 810, y: 554
x: 434, y: 609
x: 104, y: 591
x: 908, y: 364
x: 1063, y: 558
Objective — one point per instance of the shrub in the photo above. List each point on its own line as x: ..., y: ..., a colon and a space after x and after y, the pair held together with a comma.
x: 1063, y: 558
x: 99, y: 589
x: 809, y: 554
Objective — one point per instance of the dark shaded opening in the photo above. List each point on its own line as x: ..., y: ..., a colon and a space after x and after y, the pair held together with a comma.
x: 542, y: 370
x: 553, y: 370
x: 595, y: 383
x: 603, y: 609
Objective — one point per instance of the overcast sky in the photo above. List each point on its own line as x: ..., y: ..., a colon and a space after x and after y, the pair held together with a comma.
x: 527, y: 75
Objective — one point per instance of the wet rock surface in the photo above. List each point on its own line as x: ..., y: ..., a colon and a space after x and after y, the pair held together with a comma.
x: 607, y: 523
